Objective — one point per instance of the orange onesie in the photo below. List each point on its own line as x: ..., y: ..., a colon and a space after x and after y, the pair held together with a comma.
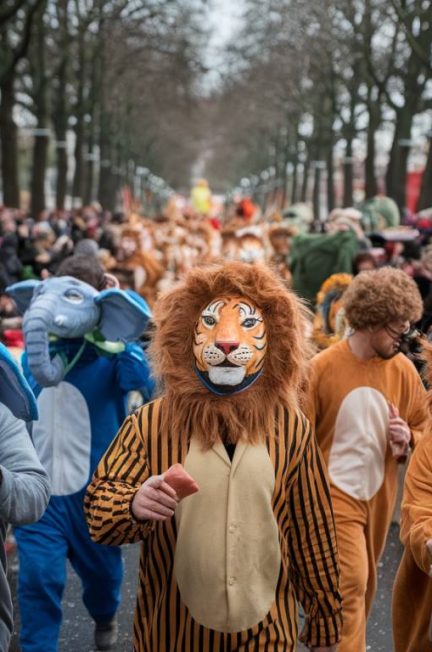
x: 412, y: 593
x: 349, y: 407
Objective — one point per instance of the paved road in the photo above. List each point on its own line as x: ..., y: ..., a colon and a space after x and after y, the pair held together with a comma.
x: 77, y: 629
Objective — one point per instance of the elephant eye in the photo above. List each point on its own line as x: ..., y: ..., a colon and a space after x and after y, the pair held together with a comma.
x: 74, y: 296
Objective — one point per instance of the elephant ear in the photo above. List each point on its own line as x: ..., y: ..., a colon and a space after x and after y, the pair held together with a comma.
x: 123, y: 316
x: 22, y: 293
x: 15, y: 392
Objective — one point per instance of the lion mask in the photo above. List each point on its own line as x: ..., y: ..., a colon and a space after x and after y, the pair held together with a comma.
x: 230, y: 341
x: 255, y: 331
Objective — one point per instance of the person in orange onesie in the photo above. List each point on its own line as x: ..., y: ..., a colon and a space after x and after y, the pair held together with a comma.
x: 412, y: 592
x: 367, y: 404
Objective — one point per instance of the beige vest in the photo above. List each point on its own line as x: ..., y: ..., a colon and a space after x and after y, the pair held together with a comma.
x: 227, y: 559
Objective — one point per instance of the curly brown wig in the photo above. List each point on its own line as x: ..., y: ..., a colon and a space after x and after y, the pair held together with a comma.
x: 249, y: 414
x: 382, y: 296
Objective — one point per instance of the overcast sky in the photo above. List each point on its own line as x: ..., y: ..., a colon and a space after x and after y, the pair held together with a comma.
x: 225, y: 18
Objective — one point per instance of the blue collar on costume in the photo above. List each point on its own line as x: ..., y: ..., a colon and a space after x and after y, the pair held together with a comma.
x: 226, y: 390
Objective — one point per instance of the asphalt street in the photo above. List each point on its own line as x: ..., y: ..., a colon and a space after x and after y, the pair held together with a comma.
x: 77, y: 629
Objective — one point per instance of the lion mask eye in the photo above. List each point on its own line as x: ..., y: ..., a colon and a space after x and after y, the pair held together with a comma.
x: 250, y: 322
x: 209, y: 320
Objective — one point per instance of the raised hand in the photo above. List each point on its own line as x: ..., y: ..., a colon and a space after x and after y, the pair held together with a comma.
x: 155, y: 500
x: 399, y: 434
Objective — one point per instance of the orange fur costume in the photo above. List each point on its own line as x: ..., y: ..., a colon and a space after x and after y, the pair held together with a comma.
x: 349, y: 403
x: 143, y: 265
x: 412, y: 592
x: 225, y: 572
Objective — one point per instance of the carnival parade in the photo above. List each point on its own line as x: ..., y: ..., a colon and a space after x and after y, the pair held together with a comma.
x: 215, y: 326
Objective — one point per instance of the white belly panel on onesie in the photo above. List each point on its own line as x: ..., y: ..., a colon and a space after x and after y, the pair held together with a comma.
x: 357, y: 456
x: 62, y: 437
x: 228, y: 558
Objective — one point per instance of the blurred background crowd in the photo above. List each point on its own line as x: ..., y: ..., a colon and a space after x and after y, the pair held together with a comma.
x: 317, y: 259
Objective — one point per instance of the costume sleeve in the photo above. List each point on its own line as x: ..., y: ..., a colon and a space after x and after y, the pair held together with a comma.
x: 416, y: 516
x: 310, y: 406
x: 417, y: 415
x: 313, y: 549
x: 133, y: 371
x: 119, y: 475
x: 24, y: 485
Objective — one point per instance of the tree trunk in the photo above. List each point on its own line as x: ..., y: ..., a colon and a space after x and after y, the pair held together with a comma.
x: 425, y: 199
x: 98, y: 177
x: 106, y: 153
x: 60, y: 113
x: 371, y: 187
x: 62, y: 170
x: 397, y: 167
x: 77, y: 184
x: 106, y: 192
x: 90, y: 173
x: 305, y: 180
x: 78, y: 155
x: 348, y: 174
x: 330, y: 179
x: 95, y: 89
x: 317, y: 194
x: 9, y: 144
x: 294, y: 184
x: 284, y: 179
x: 106, y: 180
x: 40, y: 148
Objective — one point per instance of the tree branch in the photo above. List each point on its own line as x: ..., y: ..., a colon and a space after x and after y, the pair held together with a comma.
x: 21, y: 49
x: 9, y: 12
x: 413, y: 42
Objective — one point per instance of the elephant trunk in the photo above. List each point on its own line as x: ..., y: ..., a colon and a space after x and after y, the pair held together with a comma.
x: 45, y: 371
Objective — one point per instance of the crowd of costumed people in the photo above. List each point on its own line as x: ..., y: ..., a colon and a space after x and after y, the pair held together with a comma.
x: 148, y: 255
x: 194, y: 378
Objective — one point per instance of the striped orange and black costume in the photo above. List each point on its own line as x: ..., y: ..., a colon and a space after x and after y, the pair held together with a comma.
x: 299, y: 504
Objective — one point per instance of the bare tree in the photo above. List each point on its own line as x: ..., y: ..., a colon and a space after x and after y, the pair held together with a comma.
x: 15, y: 31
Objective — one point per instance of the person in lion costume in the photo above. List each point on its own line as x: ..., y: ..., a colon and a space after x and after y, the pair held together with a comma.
x: 222, y: 569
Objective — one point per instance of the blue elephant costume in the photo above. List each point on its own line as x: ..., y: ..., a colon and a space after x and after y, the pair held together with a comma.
x: 81, y: 380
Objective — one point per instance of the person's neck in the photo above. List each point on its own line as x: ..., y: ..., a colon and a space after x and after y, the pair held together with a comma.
x: 360, y: 346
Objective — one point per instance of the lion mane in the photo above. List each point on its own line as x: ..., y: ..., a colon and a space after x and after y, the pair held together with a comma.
x: 248, y: 415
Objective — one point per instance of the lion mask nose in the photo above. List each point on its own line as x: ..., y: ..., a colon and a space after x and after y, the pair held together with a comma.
x: 227, y: 347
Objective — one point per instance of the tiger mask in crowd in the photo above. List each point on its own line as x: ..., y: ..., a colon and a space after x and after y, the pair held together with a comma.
x: 229, y: 346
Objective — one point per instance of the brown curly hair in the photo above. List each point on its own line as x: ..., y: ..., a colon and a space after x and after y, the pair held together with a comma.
x: 249, y: 414
x: 382, y: 296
